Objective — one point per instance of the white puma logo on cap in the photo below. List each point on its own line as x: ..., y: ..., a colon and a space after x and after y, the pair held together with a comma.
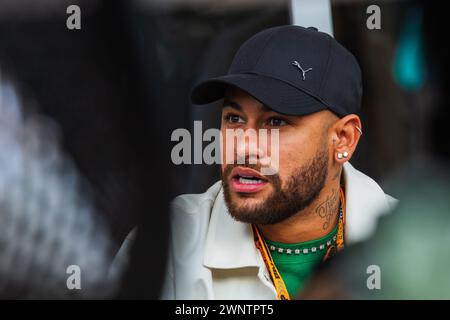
x: 295, y: 63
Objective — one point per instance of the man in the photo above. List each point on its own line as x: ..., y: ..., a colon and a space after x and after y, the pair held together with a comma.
x: 257, y: 236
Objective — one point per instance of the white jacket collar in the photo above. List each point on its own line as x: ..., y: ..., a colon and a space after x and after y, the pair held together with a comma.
x: 365, y: 202
x: 230, y: 244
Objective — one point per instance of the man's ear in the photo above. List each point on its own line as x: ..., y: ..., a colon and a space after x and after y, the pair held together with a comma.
x: 346, y: 132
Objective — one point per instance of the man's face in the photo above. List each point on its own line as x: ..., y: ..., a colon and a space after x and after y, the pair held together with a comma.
x: 304, y: 155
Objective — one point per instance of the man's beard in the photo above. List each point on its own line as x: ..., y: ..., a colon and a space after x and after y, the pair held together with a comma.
x: 299, y: 191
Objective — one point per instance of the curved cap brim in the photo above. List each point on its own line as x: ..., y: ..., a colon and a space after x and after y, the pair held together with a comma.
x: 275, y: 94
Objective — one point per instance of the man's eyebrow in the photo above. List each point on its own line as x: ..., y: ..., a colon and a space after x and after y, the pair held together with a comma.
x: 232, y: 104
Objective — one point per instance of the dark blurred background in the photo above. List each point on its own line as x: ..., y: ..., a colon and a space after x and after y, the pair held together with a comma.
x: 118, y: 88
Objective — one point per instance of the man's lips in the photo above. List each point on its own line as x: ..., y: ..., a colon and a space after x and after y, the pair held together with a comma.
x: 246, y: 180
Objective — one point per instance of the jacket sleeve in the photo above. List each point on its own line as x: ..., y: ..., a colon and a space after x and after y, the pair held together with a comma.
x: 168, y: 289
x: 122, y: 256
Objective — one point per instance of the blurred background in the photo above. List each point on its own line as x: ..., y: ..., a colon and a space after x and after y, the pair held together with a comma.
x: 86, y: 118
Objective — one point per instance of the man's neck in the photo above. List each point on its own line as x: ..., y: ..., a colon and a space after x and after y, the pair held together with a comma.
x: 314, y: 222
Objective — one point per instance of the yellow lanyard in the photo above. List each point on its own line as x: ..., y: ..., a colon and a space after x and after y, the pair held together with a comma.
x: 341, y: 222
x: 278, y: 282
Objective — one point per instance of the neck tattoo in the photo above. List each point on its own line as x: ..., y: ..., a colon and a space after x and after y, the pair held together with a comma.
x: 328, y: 208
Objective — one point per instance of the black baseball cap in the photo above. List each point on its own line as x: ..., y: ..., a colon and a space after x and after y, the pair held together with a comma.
x: 292, y: 70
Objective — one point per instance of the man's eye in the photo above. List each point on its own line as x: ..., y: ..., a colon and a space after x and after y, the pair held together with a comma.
x: 277, y: 122
x: 233, y: 118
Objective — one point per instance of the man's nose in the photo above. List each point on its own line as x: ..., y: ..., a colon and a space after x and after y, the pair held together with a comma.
x: 250, y: 147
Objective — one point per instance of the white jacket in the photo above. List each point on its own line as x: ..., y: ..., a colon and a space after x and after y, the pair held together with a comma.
x: 212, y: 256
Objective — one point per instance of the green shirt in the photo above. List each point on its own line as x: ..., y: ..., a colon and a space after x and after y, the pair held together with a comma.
x: 294, y: 268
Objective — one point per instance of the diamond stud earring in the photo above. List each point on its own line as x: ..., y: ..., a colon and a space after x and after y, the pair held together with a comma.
x: 342, y: 155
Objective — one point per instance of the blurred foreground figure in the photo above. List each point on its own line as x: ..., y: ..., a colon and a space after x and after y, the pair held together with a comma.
x: 98, y: 90
x: 52, y: 243
x: 407, y: 258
